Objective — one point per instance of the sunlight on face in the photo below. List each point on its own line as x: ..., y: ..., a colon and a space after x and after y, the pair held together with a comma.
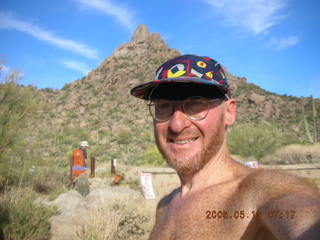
x: 190, y: 147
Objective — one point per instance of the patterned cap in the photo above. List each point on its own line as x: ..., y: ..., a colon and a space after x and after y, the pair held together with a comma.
x: 186, y: 69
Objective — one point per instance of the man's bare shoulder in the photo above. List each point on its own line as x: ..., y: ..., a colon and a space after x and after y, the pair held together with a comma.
x: 288, y: 205
x: 165, y: 201
x: 263, y: 185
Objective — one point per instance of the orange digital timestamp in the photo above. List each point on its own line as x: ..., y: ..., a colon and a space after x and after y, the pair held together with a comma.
x: 242, y: 214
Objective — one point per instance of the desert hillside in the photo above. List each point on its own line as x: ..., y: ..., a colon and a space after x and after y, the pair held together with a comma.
x: 100, y: 109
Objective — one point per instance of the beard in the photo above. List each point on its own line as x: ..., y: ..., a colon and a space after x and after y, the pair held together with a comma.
x: 194, y: 163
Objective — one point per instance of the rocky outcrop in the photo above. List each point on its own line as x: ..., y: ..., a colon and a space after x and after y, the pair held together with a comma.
x: 142, y: 43
x: 140, y: 35
x: 235, y: 82
x: 257, y: 99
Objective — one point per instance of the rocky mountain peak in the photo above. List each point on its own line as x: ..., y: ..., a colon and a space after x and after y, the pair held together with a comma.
x: 142, y: 43
x: 99, y: 107
x: 141, y: 34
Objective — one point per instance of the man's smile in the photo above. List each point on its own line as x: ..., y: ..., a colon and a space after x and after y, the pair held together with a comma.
x: 183, y: 141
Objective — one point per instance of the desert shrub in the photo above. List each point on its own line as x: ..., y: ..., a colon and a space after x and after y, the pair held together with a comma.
x: 116, y: 220
x: 132, y: 223
x: 152, y: 157
x: 54, y: 194
x: 256, y: 141
x: 71, y: 136
x: 23, y: 219
x: 124, y: 137
x: 48, y: 179
x: 17, y: 168
x: 133, y: 183
x: 294, y: 153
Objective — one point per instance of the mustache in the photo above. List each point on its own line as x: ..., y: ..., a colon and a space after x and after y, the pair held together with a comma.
x: 183, y: 134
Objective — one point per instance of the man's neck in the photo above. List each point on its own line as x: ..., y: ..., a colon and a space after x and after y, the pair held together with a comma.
x: 216, y: 171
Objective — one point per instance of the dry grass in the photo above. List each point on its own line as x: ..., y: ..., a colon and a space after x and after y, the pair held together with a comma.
x: 16, y: 193
x: 117, y: 219
x: 100, y: 225
x: 294, y: 153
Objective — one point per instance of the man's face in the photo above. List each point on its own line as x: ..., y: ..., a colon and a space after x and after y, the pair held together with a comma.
x: 188, y: 145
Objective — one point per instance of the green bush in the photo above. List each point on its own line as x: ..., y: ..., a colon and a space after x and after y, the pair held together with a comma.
x: 23, y: 219
x: 152, y: 157
x: 48, y: 179
x: 124, y: 137
x: 16, y: 168
x: 17, y: 105
x: 294, y: 154
x: 256, y: 141
x: 54, y: 194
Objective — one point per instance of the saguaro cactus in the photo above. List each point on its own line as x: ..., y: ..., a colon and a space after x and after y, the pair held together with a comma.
x: 306, y: 125
x: 314, y: 116
x: 314, y: 120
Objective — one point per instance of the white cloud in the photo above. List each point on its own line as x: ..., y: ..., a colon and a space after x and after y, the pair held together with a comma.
x: 281, y: 43
x: 76, y: 65
x: 255, y: 16
x: 122, y: 14
x: 9, y: 22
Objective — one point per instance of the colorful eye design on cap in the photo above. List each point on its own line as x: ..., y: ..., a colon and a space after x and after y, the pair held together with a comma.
x: 201, y: 64
x: 209, y: 75
x: 176, y: 71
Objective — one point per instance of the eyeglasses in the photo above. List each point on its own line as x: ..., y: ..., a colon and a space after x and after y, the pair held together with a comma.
x: 196, y: 108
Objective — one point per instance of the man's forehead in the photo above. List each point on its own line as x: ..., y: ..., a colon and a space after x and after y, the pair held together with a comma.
x: 176, y: 91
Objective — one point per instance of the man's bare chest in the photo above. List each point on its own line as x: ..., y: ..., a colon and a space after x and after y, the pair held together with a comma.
x: 206, y: 215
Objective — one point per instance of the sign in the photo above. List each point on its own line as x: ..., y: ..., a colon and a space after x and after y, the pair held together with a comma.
x: 146, y: 183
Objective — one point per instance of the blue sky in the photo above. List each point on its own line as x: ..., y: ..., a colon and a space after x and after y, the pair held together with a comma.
x: 273, y: 43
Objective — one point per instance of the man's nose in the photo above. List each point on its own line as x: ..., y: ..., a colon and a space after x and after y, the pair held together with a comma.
x: 179, y: 120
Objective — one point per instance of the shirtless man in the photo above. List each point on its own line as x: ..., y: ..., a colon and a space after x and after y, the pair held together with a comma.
x: 219, y: 198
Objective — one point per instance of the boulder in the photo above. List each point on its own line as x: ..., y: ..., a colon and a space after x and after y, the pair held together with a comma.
x: 67, y: 202
x: 257, y: 99
x: 267, y: 110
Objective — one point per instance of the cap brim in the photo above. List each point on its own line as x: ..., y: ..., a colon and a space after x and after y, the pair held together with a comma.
x: 144, y: 90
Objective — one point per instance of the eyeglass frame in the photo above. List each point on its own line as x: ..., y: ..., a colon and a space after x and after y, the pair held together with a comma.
x: 210, y: 100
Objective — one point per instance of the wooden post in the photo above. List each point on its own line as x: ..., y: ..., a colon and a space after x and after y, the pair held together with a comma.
x: 113, y: 166
x: 92, y: 167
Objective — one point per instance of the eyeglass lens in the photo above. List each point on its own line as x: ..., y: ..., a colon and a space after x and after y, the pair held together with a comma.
x: 194, y: 108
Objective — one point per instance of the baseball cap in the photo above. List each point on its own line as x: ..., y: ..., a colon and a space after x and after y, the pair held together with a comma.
x: 84, y: 144
x: 201, y: 73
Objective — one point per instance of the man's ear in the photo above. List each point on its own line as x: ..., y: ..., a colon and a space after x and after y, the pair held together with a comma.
x: 231, y: 112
